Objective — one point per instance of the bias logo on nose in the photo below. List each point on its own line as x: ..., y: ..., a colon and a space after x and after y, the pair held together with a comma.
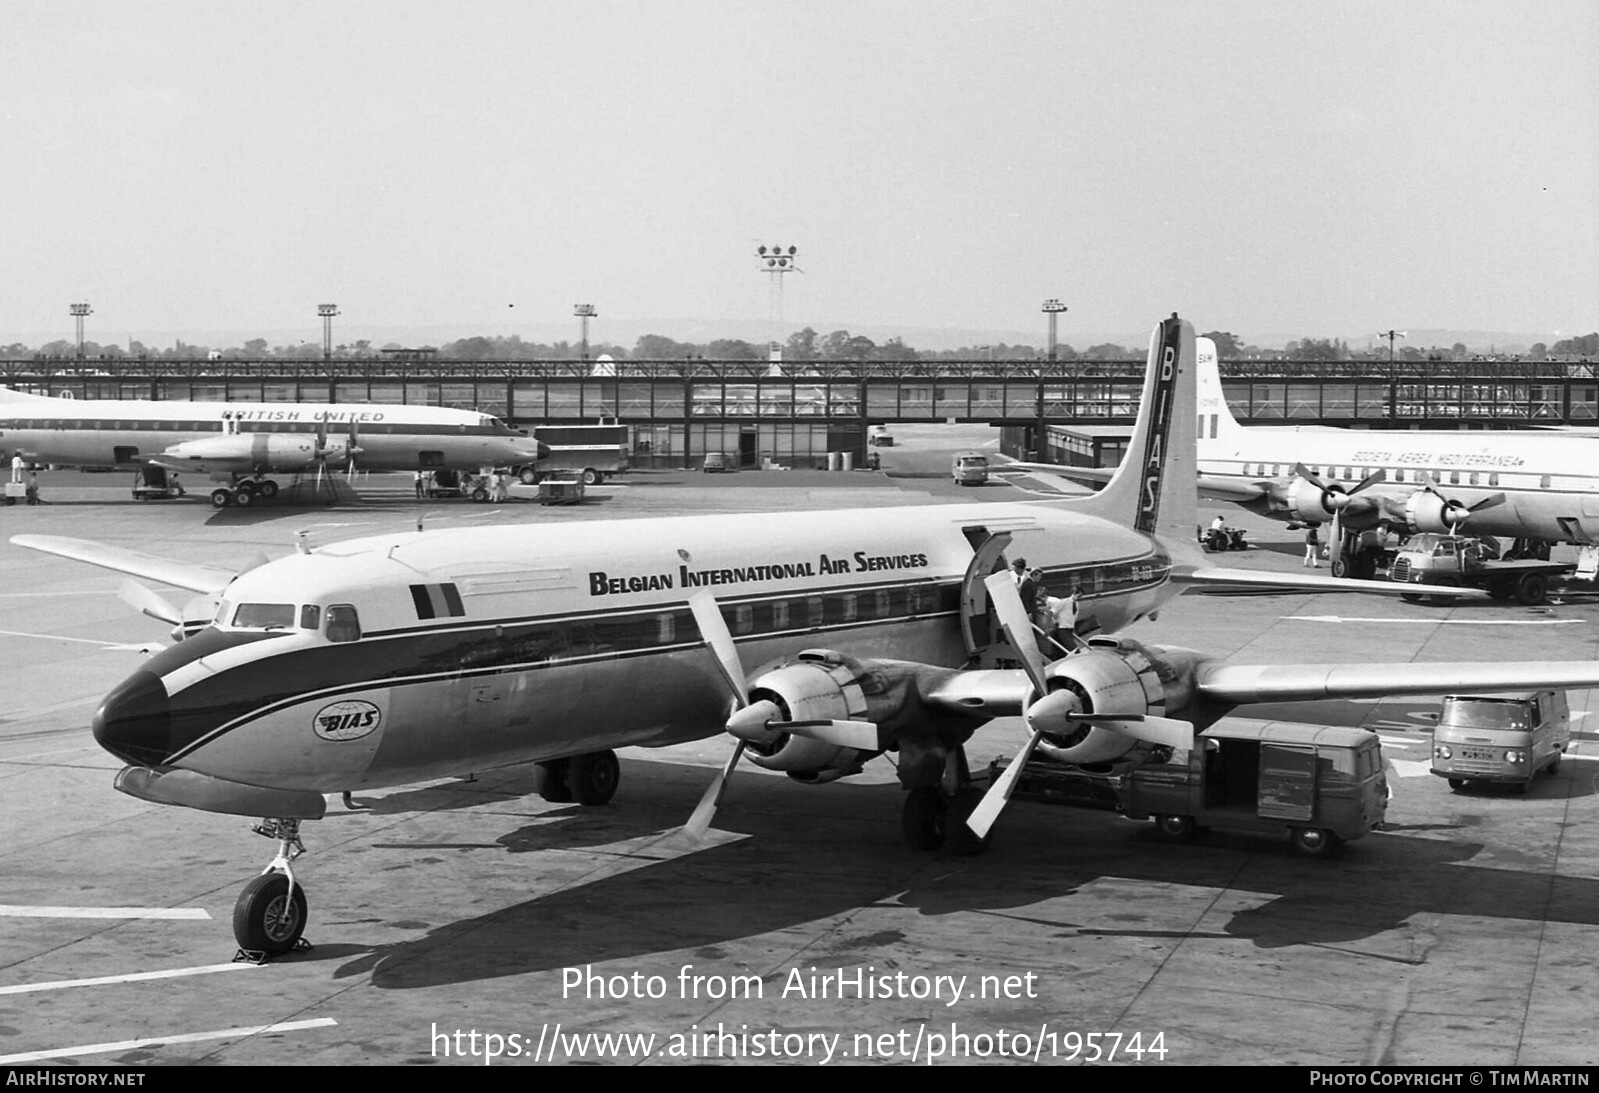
x: 347, y: 720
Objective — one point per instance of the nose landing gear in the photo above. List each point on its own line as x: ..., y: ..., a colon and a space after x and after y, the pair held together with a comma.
x: 270, y: 913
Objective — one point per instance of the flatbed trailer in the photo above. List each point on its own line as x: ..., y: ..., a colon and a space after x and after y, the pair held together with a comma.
x: 1435, y: 563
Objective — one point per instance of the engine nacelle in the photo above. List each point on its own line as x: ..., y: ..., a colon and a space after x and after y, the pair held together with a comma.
x: 820, y: 685
x: 1302, y: 500
x: 279, y: 452
x: 1424, y: 510
x: 1119, y: 676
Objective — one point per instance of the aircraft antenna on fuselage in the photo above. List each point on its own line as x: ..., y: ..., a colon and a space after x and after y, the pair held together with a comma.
x: 1153, y: 490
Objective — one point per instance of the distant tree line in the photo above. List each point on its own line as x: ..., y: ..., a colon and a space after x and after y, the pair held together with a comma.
x: 805, y: 345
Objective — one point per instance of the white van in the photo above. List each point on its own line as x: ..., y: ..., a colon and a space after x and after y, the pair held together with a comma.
x: 1505, y: 738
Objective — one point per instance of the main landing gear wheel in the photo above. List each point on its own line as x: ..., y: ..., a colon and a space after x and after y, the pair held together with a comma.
x: 550, y: 781
x: 267, y: 918
x: 267, y: 488
x: 924, y: 818
x: 529, y: 476
x: 244, y: 496
x: 593, y: 777
x: 221, y: 498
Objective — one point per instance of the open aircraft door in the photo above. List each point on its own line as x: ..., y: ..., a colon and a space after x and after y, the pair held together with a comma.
x: 979, y: 628
x: 1287, y: 782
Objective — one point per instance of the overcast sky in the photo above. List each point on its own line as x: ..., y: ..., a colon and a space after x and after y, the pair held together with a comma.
x: 1258, y: 165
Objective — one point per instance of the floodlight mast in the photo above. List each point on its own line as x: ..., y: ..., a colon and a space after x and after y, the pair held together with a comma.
x: 776, y: 261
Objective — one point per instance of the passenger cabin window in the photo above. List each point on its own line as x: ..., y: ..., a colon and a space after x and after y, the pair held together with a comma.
x: 264, y: 616
x: 743, y: 618
x: 310, y: 617
x: 343, y: 623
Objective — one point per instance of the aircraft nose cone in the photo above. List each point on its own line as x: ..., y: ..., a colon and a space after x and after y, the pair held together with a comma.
x: 134, y: 723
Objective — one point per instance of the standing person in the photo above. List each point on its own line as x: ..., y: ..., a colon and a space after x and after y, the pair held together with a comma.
x: 1018, y: 570
x: 33, y: 487
x: 16, y: 466
x: 421, y: 486
x: 1312, y: 548
x: 1027, y: 590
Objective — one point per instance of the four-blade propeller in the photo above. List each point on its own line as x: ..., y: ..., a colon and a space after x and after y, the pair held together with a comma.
x: 1052, y: 711
x: 760, y: 721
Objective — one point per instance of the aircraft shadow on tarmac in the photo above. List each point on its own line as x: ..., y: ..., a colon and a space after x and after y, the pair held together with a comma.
x: 806, y: 856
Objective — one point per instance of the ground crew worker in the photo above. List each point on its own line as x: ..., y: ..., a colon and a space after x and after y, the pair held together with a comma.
x: 1312, y: 548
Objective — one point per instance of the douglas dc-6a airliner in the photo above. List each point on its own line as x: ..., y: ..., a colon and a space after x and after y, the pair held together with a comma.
x: 817, y: 640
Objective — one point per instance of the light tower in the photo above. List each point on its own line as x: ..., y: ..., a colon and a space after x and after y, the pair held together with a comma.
x: 1390, y: 335
x: 585, y: 312
x: 1053, y: 308
x: 327, y: 311
x: 79, y: 313
x: 775, y: 262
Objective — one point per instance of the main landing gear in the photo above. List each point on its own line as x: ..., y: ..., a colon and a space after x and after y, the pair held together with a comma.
x: 270, y: 914
x: 935, y: 816
x: 588, y: 779
x: 244, y: 494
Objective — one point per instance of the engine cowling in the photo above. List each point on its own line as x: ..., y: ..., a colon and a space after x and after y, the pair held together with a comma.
x: 820, y: 685
x: 1311, y: 503
x: 1424, y: 510
x: 1121, y: 677
x: 281, y: 452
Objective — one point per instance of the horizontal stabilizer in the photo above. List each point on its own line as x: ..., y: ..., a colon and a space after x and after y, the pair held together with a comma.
x: 194, y: 576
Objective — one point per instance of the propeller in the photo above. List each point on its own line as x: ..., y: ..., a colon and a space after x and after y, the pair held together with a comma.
x: 1454, y: 513
x: 352, y: 449
x: 1335, y: 500
x: 1054, y: 710
x: 151, y: 603
x: 755, y: 722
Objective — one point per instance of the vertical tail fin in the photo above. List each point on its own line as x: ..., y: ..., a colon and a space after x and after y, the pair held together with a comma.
x: 1216, y: 421
x: 1154, y: 491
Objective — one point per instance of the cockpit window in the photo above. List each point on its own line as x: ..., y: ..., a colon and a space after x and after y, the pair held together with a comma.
x: 343, y: 623
x: 264, y: 616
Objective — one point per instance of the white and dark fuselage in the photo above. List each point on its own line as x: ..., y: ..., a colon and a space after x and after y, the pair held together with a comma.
x: 424, y: 655
x: 220, y: 438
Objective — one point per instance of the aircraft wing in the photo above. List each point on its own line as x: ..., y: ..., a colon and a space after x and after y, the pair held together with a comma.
x: 1245, y: 683
x: 1216, y: 489
x: 196, y: 577
x: 1225, y: 577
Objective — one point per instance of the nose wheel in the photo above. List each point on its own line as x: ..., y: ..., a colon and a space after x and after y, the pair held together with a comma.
x: 270, y: 914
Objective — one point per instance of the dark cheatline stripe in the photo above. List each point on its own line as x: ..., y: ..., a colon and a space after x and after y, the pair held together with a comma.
x: 424, y: 604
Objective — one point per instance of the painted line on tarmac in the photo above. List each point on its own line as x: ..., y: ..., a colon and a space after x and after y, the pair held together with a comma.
x: 1440, y: 622
x: 17, y: 910
x: 80, y: 641
x: 53, y: 595
x: 131, y: 977
x: 157, y: 1041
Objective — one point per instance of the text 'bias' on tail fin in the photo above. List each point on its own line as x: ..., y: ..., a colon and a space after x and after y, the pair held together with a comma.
x: 1153, y: 491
